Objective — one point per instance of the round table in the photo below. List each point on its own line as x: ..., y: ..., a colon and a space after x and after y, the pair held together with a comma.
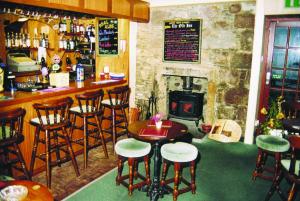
x: 36, y: 191
x: 176, y: 131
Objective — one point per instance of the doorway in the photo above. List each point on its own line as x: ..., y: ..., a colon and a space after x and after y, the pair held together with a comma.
x: 281, y: 70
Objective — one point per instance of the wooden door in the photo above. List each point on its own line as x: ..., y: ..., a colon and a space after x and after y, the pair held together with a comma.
x: 280, y: 75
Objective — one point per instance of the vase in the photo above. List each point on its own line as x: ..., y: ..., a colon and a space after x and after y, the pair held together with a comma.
x: 276, y: 132
x: 158, y: 124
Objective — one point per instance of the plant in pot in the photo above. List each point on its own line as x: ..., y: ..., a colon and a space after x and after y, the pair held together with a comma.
x: 272, y: 125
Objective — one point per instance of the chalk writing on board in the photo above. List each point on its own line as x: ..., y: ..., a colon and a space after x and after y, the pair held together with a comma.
x: 108, y: 36
x: 182, y: 40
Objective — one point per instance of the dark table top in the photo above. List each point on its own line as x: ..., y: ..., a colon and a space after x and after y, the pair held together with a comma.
x: 176, y: 131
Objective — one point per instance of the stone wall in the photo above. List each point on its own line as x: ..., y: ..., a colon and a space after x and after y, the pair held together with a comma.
x: 226, y: 52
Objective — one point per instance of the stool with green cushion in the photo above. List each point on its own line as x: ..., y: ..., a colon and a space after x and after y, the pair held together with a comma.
x: 269, y: 145
x: 132, y: 150
x: 11, y: 124
x: 179, y: 154
x: 290, y: 170
x: 6, y: 178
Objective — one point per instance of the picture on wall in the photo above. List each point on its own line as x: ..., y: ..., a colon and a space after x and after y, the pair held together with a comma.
x: 182, y: 39
x: 108, y: 36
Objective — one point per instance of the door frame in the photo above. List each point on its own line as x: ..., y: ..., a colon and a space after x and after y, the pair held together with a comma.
x: 267, y: 58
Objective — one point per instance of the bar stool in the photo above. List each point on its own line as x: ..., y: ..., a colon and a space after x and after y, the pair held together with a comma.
x: 132, y: 150
x: 180, y: 154
x: 11, y: 127
x: 269, y: 145
x: 117, y: 103
x: 89, y: 107
x: 52, y: 116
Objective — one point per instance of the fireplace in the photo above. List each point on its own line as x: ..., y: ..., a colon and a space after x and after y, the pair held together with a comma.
x: 185, y: 105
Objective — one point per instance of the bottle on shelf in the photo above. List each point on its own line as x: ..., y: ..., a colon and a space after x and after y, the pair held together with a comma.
x: 68, y: 45
x: 2, y: 70
x: 35, y: 41
x: 79, y: 70
x: 71, y: 26
x: 65, y: 43
x: 8, y: 40
x: 60, y: 26
x: 71, y: 44
x: 13, y: 40
x: 61, y: 43
x: 46, y: 41
x: 28, y: 41
x: 69, y: 63
x: 42, y: 40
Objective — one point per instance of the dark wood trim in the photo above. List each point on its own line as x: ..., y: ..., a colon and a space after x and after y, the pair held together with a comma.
x: 77, y: 9
x: 2, y: 41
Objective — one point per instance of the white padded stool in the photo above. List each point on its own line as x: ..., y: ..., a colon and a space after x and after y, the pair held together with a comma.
x: 132, y: 150
x: 178, y: 154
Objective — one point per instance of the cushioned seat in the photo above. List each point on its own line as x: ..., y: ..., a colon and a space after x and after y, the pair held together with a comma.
x: 44, y: 119
x: 178, y: 153
x: 272, y: 143
x: 84, y: 109
x: 286, y: 164
x: 132, y: 150
x: 269, y: 145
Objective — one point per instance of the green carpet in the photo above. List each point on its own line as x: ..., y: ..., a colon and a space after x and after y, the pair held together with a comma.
x: 223, y: 174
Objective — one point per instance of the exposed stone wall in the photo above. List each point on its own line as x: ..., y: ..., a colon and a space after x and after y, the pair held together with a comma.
x: 226, y: 52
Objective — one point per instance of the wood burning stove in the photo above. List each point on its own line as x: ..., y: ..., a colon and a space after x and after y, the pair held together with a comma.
x: 185, y: 105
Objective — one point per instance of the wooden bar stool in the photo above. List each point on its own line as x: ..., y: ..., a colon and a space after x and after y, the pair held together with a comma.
x: 117, y: 103
x: 11, y: 127
x: 180, y: 154
x: 89, y: 107
x: 269, y: 145
x: 52, y: 118
x: 132, y: 150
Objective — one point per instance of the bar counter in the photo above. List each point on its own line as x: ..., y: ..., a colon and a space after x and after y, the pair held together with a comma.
x: 25, y: 100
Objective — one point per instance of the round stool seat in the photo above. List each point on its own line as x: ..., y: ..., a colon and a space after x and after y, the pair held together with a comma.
x: 132, y: 148
x: 272, y: 143
x: 179, y: 152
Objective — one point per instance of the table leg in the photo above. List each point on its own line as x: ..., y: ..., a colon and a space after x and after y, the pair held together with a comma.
x: 155, y: 191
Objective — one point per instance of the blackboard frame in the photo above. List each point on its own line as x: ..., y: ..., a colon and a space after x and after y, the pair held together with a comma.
x: 199, y: 33
x: 99, y: 20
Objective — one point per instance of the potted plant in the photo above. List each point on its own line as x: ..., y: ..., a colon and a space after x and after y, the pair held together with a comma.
x: 272, y: 125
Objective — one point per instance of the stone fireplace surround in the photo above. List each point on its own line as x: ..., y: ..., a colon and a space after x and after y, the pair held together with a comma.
x: 202, y: 83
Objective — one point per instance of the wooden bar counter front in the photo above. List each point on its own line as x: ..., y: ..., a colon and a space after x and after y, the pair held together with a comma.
x: 27, y: 99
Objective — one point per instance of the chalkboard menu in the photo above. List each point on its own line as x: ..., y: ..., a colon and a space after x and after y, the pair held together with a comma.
x: 108, y: 36
x: 182, y: 40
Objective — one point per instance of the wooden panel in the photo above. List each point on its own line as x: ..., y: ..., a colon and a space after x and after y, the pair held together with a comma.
x: 99, y: 5
x: 121, y: 7
x: 141, y: 10
x: 75, y: 3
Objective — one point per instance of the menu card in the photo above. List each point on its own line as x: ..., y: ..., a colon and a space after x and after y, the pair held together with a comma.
x: 150, y: 131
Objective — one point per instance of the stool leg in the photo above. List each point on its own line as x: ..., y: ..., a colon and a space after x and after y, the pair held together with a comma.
x: 292, y: 192
x: 48, y: 158
x: 6, y: 160
x: 164, y: 173
x: 34, y: 150
x: 85, y: 142
x: 147, y: 169
x: 102, y: 137
x: 176, y: 180
x: 130, y: 164
x: 258, y: 164
x: 21, y: 160
x: 120, y: 169
x: 57, y: 149
x: 74, y: 162
x: 192, y: 170
x: 114, y: 129
x: 125, y: 121
x: 277, y: 164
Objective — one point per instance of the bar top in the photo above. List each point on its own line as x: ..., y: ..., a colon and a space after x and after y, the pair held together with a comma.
x: 8, y: 98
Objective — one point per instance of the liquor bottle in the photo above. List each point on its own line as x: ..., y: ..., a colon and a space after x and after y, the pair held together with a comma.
x: 65, y: 43
x: 12, y: 39
x: 28, y: 41
x: 2, y: 69
x: 71, y: 26
x: 20, y: 40
x: 24, y: 40
x: 46, y: 41
x: 79, y: 70
x: 77, y: 27
x: 81, y: 28
x: 8, y: 40
x: 17, y: 41
x: 64, y: 26
x: 42, y: 40
x: 60, y: 25
x: 68, y: 45
x: 71, y: 44
x: 69, y: 63
x: 35, y: 41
